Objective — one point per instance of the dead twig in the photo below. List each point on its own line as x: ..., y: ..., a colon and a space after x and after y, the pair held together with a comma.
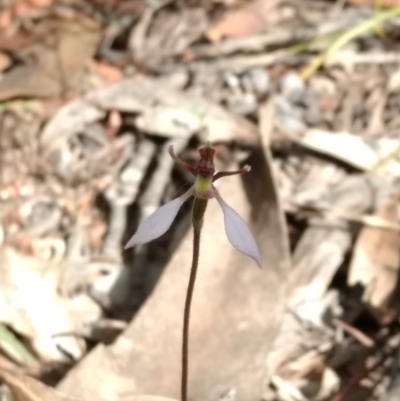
x: 122, y: 193
x: 338, y: 214
x: 151, y: 199
x: 281, y: 37
x: 365, y: 372
x: 138, y: 37
x: 346, y: 58
x: 260, y: 60
x: 355, y: 333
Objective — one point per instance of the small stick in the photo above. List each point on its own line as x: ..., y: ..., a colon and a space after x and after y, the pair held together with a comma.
x: 122, y: 193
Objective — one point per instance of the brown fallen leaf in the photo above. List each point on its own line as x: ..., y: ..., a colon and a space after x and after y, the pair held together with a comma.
x: 25, y: 388
x: 39, y: 3
x: 57, y: 69
x: 22, y: 9
x: 235, y: 315
x: 248, y: 20
x: 107, y: 72
x: 376, y: 260
x: 28, y: 81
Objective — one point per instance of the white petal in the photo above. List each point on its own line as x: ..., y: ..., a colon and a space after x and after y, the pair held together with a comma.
x: 159, y: 222
x: 238, y: 233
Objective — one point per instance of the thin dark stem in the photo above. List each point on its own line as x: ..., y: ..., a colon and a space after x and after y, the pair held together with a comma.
x: 186, y: 317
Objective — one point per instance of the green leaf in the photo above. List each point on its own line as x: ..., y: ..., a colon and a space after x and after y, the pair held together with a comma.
x: 14, y: 348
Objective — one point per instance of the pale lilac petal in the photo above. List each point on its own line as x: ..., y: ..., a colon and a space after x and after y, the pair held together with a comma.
x: 238, y: 233
x: 159, y: 222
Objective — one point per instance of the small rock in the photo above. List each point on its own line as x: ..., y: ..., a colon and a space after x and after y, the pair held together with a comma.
x: 289, y: 118
x: 323, y: 85
x: 285, y: 108
x: 179, y: 78
x: 292, y: 87
x: 291, y: 125
x: 313, y: 116
x: 256, y: 80
x: 101, y: 288
x: 232, y: 80
x: 310, y: 99
x: 393, y: 85
x: 245, y: 105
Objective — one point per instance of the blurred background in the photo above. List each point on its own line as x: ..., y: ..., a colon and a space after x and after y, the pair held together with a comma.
x: 92, y: 94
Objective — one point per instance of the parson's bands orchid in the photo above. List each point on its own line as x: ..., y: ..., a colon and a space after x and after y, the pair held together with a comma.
x: 161, y: 220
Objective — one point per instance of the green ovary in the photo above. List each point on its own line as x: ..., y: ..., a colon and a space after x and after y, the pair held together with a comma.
x: 203, y: 185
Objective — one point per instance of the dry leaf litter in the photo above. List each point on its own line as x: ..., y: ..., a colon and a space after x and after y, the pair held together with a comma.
x: 92, y: 95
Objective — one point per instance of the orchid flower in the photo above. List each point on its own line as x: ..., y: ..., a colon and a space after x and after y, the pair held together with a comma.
x: 161, y: 220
